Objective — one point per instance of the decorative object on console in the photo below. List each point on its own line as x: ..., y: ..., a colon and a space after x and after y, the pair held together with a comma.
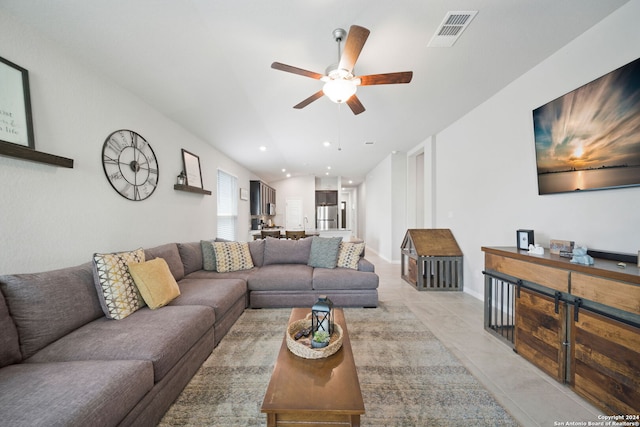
x: 580, y: 256
x: 524, y: 239
x: 571, y: 156
x: 130, y: 165
x: 322, y: 316
x: 558, y: 246
x: 536, y: 249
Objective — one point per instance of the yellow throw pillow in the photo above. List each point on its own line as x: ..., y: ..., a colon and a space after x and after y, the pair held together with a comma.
x: 155, y: 282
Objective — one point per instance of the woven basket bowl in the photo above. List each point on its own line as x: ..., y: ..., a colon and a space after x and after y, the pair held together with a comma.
x: 302, y: 350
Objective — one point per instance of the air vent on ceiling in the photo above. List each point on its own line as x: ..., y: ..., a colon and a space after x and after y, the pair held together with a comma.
x: 453, y: 24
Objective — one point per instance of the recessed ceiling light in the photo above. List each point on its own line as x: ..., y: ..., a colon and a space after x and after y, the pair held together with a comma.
x: 288, y: 175
x: 326, y: 144
x: 284, y: 170
x: 329, y: 167
x: 263, y: 148
x: 350, y: 182
x: 326, y: 173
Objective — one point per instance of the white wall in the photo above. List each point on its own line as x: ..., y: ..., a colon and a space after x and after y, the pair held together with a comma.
x: 385, y: 206
x: 54, y: 217
x: 485, y: 168
x: 302, y: 188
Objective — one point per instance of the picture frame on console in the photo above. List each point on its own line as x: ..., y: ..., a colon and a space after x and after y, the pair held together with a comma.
x: 589, y: 138
x: 191, y: 164
x: 16, y: 122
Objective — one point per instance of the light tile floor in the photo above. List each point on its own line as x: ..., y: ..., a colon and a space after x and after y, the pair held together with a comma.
x: 456, y: 318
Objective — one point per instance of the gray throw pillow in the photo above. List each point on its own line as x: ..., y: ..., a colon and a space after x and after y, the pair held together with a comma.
x: 324, y: 252
x: 208, y: 255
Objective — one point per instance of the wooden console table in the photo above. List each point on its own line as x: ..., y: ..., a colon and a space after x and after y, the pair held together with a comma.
x: 580, y: 324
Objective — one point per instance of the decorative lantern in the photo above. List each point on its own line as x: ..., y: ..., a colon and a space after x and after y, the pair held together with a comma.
x: 322, y: 315
x: 181, y: 178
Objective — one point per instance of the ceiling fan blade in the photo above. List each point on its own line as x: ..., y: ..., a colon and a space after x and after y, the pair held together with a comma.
x: 309, y: 100
x: 296, y: 70
x: 355, y: 105
x: 353, y: 46
x: 386, y: 79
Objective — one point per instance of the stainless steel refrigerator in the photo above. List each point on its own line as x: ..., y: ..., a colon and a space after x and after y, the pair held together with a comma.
x: 326, y: 217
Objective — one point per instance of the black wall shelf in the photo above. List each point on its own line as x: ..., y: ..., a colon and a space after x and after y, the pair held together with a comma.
x: 190, y: 189
x: 26, y: 153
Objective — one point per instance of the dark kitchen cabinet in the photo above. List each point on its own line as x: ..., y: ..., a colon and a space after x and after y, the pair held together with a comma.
x: 326, y: 198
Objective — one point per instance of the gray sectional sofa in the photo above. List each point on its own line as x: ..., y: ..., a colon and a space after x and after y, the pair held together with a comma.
x: 63, y: 363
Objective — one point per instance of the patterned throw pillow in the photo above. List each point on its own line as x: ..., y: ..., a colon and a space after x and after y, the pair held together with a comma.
x: 232, y: 256
x: 208, y: 255
x: 118, y: 294
x: 155, y: 282
x: 349, y: 254
x: 324, y: 252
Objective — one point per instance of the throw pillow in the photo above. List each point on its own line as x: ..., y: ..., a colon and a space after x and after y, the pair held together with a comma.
x: 232, y: 256
x: 349, y: 254
x: 324, y: 252
x: 155, y: 282
x: 119, y: 295
x: 208, y: 255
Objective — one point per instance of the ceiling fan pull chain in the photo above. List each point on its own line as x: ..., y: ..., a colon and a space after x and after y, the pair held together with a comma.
x: 339, y: 144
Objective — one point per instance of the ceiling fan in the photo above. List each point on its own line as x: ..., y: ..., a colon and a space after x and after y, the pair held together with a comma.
x: 340, y: 83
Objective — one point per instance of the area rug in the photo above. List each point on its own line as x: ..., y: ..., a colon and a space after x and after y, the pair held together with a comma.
x: 407, y: 376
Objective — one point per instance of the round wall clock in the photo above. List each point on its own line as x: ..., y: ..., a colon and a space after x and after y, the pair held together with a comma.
x: 130, y: 164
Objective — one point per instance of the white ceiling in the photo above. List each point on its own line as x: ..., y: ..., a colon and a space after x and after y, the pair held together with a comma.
x: 206, y: 65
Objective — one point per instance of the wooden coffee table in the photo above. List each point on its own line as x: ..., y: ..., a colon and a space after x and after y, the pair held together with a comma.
x: 314, y: 391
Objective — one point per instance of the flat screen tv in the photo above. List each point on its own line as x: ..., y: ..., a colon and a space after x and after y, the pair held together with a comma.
x: 589, y: 139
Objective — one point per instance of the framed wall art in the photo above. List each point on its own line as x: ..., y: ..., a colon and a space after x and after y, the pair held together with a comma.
x: 191, y: 164
x: 589, y: 138
x: 16, y: 125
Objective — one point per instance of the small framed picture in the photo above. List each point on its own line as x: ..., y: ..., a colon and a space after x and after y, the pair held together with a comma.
x: 244, y: 194
x: 16, y: 125
x: 524, y: 239
x: 558, y: 246
x: 191, y: 164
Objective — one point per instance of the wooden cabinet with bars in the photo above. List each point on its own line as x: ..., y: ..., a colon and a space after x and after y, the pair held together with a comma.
x: 579, y: 324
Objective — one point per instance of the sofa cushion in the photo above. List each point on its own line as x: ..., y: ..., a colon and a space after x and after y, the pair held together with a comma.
x: 47, y: 306
x: 162, y: 336
x: 278, y: 251
x: 95, y: 393
x: 344, y: 279
x: 119, y: 296
x: 256, y: 247
x: 155, y: 282
x: 169, y: 252
x: 219, y: 294
x: 9, y: 344
x: 208, y: 255
x: 210, y: 275
x: 285, y: 277
x: 349, y: 254
x: 232, y: 256
x: 191, y: 255
x: 324, y: 252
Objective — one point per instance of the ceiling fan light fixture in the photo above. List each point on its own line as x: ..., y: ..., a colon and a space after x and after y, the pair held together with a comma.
x: 339, y: 90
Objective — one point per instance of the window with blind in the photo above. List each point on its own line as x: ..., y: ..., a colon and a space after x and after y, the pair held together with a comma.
x: 227, y: 206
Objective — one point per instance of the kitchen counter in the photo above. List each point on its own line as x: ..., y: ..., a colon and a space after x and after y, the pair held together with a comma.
x: 345, y: 233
